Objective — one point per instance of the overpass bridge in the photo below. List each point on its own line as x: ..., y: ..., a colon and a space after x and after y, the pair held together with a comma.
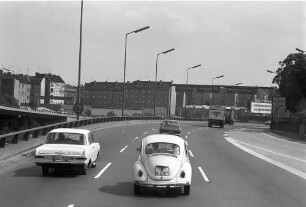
x: 12, y: 119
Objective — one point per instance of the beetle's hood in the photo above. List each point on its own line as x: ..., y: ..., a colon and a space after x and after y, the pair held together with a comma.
x: 60, y: 149
x: 173, y: 163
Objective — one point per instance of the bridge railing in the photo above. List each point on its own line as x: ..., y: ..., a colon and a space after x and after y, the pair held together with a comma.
x: 25, y: 135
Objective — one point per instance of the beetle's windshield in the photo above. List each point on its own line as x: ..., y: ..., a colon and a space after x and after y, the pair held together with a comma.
x: 162, y: 147
x: 66, y: 138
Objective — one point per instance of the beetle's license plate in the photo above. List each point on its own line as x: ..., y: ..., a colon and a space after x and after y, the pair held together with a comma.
x: 162, y: 171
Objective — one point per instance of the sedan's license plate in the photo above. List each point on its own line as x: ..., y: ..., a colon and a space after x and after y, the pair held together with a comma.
x: 162, y: 171
x: 59, y: 158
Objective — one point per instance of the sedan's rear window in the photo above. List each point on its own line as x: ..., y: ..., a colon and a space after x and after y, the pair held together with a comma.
x: 171, y: 123
x: 66, y: 138
x: 162, y: 147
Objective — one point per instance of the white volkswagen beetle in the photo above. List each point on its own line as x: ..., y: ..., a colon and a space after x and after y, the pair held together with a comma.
x: 68, y: 148
x: 163, y: 162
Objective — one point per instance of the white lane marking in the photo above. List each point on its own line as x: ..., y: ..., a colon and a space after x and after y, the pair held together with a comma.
x: 186, y: 137
x: 71, y: 205
x: 188, y: 132
x: 136, y: 138
x: 153, y: 129
x: 123, y: 149
x: 194, y: 130
x: 103, y: 170
x: 191, y: 153
x: 203, y: 174
x: 144, y: 132
x: 271, y: 151
x: 285, y: 167
x: 225, y: 134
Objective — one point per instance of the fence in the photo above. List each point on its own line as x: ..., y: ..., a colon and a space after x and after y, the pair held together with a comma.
x: 25, y: 135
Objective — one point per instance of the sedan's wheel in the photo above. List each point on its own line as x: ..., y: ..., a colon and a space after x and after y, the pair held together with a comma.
x: 187, y: 190
x: 136, y: 189
x: 45, y: 170
x: 84, y: 170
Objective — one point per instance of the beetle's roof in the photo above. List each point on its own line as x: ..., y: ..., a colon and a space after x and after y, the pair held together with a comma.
x: 70, y: 130
x: 163, y: 138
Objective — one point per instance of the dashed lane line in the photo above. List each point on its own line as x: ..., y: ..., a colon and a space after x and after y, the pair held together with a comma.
x: 71, y: 205
x: 188, y: 132
x: 103, y: 170
x: 123, y: 149
x: 190, y: 153
x: 145, y: 133
x: 186, y: 137
x: 203, y: 174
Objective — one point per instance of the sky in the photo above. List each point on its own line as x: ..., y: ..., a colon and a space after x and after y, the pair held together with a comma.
x: 237, y: 39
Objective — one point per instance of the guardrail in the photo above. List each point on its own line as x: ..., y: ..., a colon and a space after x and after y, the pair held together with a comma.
x: 25, y: 135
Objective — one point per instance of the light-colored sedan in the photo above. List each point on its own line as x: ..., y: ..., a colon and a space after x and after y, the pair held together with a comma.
x: 163, y: 162
x: 68, y: 148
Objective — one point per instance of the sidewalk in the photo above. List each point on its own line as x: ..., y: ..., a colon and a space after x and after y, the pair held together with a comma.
x: 283, y: 148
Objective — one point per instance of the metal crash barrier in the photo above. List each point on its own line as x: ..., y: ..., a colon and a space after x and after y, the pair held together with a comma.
x: 25, y: 135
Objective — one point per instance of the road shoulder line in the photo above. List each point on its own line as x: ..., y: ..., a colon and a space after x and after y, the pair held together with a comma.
x: 285, y: 167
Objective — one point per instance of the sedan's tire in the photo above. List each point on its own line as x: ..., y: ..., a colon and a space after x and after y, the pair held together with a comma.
x: 84, y: 170
x: 187, y: 190
x: 45, y: 170
x: 136, y: 189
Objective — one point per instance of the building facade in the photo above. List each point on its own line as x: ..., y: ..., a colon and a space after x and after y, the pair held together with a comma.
x: 52, y: 91
x: 139, y: 95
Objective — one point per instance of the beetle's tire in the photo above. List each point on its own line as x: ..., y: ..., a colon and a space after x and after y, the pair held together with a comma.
x: 136, y: 189
x: 187, y: 190
x: 45, y: 170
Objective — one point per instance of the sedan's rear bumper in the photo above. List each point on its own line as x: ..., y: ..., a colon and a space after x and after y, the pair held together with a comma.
x: 62, y: 165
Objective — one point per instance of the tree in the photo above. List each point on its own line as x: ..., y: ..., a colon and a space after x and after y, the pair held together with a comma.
x: 291, y: 79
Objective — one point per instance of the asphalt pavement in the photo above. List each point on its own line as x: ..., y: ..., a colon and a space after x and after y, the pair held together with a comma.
x: 224, y: 174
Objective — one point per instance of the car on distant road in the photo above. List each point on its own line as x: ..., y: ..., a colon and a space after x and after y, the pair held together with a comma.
x: 172, y: 127
x: 163, y: 162
x: 68, y: 148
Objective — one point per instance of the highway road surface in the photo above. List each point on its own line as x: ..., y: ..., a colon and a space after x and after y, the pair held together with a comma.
x: 223, y: 175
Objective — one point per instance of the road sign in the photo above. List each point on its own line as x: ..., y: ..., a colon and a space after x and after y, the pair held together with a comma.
x: 78, y: 108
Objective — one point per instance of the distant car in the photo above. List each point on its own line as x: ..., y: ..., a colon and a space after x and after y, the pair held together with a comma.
x: 163, y: 162
x: 268, y: 122
x: 172, y: 127
x: 68, y: 148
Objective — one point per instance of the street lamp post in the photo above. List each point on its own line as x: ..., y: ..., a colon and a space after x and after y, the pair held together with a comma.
x: 165, y: 52
x: 190, y: 69
x: 185, y: 96
x: 212, y: 86
x: 80, y: 58
x: 124, y: 67
x: 299, y: 50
